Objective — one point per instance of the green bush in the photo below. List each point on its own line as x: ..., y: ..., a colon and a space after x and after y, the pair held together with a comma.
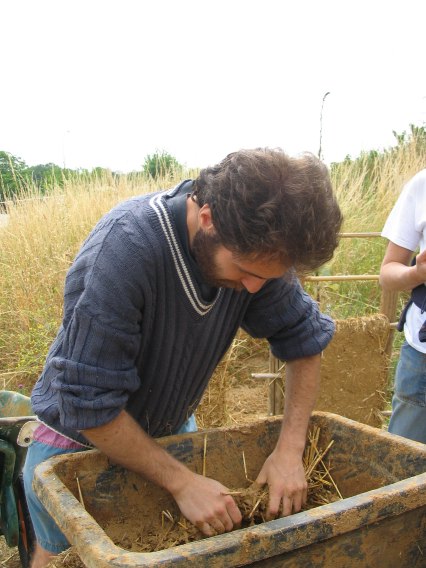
x: 161, y: 165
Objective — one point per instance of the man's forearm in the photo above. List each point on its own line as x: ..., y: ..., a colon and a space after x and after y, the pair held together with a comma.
x: 283, y: 469
x: 125, y: 443
x: 395, y: 272
x: 203, y: 501
x: 301, y: 392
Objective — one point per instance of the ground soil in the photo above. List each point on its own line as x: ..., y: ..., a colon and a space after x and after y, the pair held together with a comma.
x: 354, y: 383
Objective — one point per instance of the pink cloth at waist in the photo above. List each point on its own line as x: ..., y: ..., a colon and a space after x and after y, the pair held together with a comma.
x: 48, y: 436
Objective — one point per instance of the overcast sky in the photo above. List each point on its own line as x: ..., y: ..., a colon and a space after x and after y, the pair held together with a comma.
x: 90, y: 83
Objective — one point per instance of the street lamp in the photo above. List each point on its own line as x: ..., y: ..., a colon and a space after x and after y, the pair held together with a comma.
x: 63, y: 147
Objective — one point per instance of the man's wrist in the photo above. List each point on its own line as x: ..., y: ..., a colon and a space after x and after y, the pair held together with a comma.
x: 176, y: 479
x: 290, y: 448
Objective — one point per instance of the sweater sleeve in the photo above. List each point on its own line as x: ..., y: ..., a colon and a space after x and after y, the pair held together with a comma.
x: 94, y: 372
x: 290, y: 319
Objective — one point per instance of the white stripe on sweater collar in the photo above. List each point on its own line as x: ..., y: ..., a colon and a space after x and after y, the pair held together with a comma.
x: 196, y: 301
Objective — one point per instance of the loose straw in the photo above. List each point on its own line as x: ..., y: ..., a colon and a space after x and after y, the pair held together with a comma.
x: 80, y: 494
x: 204, y: 455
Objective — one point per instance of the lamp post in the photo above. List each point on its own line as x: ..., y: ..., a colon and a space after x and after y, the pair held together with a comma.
x: 63, y: 147
x: 320, y: 140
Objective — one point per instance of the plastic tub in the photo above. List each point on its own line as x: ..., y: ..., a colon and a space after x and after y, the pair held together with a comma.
x: 381, y: 520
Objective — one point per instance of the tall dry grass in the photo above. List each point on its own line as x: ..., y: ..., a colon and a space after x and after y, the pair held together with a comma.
x: 37, y: 246
x: 366, y: 196
x: 43, y: 235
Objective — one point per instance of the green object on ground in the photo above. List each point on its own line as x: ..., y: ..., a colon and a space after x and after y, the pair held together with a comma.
x: 15, y: 410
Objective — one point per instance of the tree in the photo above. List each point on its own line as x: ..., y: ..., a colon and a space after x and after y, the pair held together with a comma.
x: 161, y: 164
x: 12, y: 170
x: 44, y: 175
x: 417, y: 134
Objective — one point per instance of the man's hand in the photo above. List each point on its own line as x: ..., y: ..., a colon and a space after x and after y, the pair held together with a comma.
x: 202, y: 500
x: 288, y: 488
x: 206, y: 504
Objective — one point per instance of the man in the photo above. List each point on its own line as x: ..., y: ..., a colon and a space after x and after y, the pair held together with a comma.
x: 153, y: 301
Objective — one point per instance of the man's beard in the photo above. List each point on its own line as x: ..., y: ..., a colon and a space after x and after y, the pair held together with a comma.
x: 204, y: 247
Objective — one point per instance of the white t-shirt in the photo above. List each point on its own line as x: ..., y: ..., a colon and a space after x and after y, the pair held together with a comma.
x: 406, y: 227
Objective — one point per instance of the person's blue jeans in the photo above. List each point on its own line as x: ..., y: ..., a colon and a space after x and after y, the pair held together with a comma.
x: 47, y: 532
x: 408, y: 417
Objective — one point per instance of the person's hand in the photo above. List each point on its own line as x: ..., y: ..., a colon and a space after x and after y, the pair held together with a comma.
x: 286, y: 479
x: 206, y: 504
x: 421, y: 265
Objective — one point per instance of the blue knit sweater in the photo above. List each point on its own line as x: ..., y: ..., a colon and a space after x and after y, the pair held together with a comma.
x: 137, y: 334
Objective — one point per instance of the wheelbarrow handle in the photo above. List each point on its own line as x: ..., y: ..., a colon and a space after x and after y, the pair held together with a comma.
x: 16, y: 420
x: 18, y: 429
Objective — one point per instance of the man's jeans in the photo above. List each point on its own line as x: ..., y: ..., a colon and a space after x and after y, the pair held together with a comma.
x: 409, y: 401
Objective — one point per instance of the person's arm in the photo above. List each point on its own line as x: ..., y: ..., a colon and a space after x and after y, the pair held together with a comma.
x: 202, y: 500
x: 395, y: 274
x: 283, y: 470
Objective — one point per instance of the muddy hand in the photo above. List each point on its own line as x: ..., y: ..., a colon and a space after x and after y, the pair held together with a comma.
x: 287, y: 485
x: 207, y: 504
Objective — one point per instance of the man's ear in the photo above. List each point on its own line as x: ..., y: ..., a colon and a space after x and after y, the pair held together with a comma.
x: 205, y: 218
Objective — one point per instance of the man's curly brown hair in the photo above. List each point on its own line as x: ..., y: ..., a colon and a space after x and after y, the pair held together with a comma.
x: 267, y: 204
